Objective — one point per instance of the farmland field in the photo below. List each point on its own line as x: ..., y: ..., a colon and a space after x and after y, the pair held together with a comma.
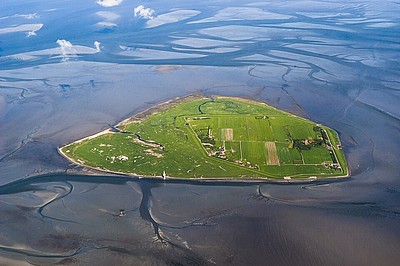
x: 218, y: 137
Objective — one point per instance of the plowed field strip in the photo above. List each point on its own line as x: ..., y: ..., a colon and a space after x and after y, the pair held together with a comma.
x: 227, y: 133
x: 273, y: 158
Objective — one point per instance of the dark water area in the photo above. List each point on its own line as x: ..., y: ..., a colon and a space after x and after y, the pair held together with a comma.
x: 74, y: 219
x: 334, y: 62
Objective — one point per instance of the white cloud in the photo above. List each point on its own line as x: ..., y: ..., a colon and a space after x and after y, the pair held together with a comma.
x: 66, y: 48
x: 65, y: 51
x: 97, y: 46
x: 30, y: 34
x: 109, y: 3
x: 143, y: 12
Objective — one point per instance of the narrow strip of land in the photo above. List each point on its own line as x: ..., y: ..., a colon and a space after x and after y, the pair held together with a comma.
x: 273, y: 158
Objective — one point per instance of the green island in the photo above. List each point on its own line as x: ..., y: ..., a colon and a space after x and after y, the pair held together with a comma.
x: 214, y: 138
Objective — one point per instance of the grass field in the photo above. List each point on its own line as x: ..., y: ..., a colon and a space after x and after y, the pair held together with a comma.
x: 215, y: 138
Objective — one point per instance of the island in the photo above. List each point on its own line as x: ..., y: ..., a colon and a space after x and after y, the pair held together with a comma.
x: 214, y: 137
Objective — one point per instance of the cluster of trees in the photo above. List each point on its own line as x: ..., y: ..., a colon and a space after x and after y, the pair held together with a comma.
x: 306, y: 144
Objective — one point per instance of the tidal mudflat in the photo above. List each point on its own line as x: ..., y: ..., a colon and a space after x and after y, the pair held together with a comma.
x: 335, y: 63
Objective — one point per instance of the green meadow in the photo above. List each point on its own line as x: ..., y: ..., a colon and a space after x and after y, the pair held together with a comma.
x: 217, y: 137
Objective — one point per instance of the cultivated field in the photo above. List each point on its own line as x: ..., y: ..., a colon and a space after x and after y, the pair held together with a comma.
x: 215, y: 138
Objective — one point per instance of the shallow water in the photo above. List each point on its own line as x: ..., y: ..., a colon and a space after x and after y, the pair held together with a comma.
x: 333, y: 62
x: 75, y: 219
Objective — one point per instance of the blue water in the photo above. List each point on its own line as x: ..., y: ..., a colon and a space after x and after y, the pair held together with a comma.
x: 335, y: 62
